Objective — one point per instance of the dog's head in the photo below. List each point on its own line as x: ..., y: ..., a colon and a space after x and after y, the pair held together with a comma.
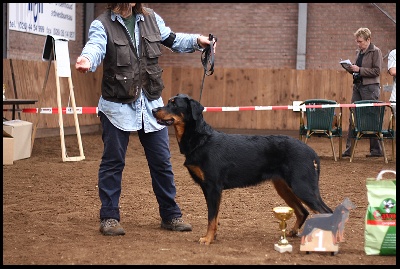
x: 348, y: 204
x: 179, y: 109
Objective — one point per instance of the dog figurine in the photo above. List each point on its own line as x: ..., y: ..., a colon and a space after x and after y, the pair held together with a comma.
x: 218, y: 161
x: 333, y: 222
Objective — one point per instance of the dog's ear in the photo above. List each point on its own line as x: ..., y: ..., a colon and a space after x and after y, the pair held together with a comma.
x: 197, y: 109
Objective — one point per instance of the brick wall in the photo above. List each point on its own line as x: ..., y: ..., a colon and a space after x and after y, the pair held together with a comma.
x: 262, y: 35
x: 265, y: 34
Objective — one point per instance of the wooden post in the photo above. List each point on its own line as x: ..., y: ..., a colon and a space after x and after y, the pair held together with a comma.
x: 63, y: 69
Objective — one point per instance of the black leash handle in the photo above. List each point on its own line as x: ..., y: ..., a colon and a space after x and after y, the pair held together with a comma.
x: 207, y: 60
x: 207, y: 56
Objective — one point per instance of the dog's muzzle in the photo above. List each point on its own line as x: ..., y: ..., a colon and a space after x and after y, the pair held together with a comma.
x: 167, y: 122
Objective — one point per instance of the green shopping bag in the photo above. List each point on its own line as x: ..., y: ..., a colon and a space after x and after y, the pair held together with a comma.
x: 380, y: 218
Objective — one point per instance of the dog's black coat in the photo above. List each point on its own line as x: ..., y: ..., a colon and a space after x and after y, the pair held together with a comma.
x: 219, y: 161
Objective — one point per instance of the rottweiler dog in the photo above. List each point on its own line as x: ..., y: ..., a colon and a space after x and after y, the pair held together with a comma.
x: 218, y: 161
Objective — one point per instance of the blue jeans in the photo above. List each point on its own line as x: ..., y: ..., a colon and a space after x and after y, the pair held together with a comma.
x: 156, y: 148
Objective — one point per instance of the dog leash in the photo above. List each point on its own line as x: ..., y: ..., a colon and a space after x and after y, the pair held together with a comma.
x: 207, y: 59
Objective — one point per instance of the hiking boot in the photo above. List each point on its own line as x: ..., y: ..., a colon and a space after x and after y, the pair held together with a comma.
x: 374, y: 155
x: 111, y: 227
x: 176, y: 224
x: 345, y: 155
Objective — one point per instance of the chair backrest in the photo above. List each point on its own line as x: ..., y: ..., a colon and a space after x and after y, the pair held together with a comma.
x: 369, y: 118
x: 319, y: 118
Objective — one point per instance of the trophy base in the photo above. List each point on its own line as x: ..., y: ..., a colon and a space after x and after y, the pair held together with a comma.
x: 284, y: 248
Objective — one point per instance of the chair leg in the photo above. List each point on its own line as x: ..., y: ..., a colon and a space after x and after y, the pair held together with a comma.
x: 353, y: 149
x: 340, y: 147
x: 393, y: 140
x: 308, y: 134
x: 333, y: 149
x: 383, y: 149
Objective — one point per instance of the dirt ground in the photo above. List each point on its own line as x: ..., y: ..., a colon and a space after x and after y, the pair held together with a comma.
x: 51, y: 210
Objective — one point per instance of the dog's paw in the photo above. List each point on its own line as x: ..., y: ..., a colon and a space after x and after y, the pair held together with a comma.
x: 204, y: 241
x: 292, y: 233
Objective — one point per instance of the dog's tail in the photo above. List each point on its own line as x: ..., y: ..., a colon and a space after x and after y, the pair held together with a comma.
x: 314, y: 201
x: 321, y: 206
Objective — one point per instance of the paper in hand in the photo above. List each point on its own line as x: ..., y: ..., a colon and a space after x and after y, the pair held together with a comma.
x: 346, y: 64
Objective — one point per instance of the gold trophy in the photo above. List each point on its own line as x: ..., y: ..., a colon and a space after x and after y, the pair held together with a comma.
x: 283, y: 213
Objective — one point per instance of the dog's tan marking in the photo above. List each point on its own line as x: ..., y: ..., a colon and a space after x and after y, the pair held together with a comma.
x: 197, y: 171
x: 179, y: 130
x: 217, y: 218
x: 291, y: 200
x: 212, y: 227
x: 179, y: 126
x: 211, y: 233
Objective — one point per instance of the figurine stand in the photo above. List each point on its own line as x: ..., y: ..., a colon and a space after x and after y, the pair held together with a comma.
x: 324, y: 232
x: 321, y: 241
x: 284, y: 248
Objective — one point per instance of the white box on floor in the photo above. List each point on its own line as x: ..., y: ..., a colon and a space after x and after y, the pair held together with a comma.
x: 8, y: 149
x: 21, y: 131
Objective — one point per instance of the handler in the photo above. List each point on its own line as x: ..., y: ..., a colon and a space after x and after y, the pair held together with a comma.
x: 127, y: 36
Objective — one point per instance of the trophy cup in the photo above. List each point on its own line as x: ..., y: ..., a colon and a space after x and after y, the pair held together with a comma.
x: 283, y: 213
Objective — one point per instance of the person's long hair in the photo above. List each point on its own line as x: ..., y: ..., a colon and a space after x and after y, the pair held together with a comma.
x: 120, y: 7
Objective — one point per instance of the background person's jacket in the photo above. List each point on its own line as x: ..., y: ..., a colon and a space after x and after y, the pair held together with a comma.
x: 371, y: 65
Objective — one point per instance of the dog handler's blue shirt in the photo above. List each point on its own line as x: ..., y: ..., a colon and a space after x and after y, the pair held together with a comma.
x: 128, y: 117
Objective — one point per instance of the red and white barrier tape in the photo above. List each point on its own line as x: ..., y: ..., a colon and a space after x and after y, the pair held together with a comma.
x: 290, y: 107
x: 94, y: 110
x: 54, y: 110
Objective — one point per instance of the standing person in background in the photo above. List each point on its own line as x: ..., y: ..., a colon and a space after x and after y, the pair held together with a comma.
x: 366, y: 81
x: 392, y: 72
x: 128, y: 36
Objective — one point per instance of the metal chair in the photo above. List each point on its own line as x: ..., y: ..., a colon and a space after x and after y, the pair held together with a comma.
x: 367, y: 122
x: 321, y: 122
x: 390, y: 132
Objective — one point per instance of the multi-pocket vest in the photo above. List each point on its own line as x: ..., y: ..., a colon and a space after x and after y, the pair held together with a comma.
x: 125, y: 71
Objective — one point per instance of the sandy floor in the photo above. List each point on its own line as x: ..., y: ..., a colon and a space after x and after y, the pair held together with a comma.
x: 50, y: 212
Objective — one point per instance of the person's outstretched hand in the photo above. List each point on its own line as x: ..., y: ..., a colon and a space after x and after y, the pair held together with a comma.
x: 82, y: 64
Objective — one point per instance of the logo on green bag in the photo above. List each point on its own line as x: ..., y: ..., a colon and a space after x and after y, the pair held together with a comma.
x: 388, y: 209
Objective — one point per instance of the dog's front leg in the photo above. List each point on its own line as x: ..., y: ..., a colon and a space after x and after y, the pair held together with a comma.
x: 213, y: 199
x: 211, y: 232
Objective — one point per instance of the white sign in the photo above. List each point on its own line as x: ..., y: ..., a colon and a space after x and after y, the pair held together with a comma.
x: 62, y: 56
x: 56, y: 19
